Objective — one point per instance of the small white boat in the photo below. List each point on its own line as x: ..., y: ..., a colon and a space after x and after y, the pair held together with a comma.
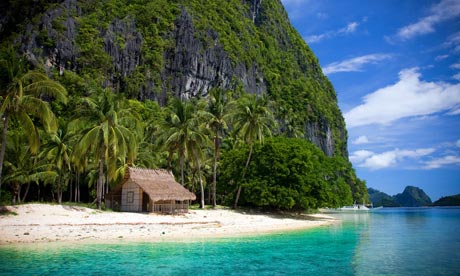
x: 355, y: 208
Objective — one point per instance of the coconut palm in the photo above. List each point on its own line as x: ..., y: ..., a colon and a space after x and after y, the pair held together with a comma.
x: 105, y: 134
x: 21, y: 93
x: 252, y: 120
x: 174, y: 130
x: 58, y: 149
x: 24, y: 168
x: 217, y: 109
x: 196, y: 140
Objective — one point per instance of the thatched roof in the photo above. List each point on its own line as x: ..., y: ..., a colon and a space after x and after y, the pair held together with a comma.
x: 158, y: 184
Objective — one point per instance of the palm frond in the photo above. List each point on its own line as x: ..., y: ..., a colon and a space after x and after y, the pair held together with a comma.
x: 40, y: 109
x: 30, y: 130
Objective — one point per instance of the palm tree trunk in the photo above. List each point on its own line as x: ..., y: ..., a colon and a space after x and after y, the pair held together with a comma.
x: 201, y: 183
x: 70, y: 189
x: 3, y: 149
x: 15, y: 192
x: 182, y: 166
x: 19, y: 192
x: 242, y: 178
x: 76, y: 188
x: 214, y: 177
x: 59, y: 187
x: 170, y: 156
x: 26, y: 192
x: 107, y: 183
x: 100, y: 179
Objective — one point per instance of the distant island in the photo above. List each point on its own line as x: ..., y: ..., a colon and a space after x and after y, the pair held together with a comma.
x: 410, y: 197
x: 453, y: 200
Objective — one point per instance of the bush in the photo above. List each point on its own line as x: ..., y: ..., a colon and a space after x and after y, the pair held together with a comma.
x: 284, y: 174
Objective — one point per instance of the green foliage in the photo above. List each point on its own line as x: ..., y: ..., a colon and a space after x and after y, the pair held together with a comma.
x: 297, y: 91
x: 108, y: 132
x: 453, y: 200
x: 286, y: 174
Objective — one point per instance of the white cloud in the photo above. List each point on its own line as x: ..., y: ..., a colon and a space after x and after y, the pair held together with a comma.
x: 318, y: 38
x: 376, y: 161
x: 361, y: 140
x: 455, y: 66
x: 443, y: 11
x: 360, y: 155
x: 456, y: 76
x: 443, y: 161
x: 409, y: 97
x: 453, y: 41
x: 350, y: 28
x: 457, y: 144
x: 441, y: 57
x: 454, y: 111
x: 354, y: 64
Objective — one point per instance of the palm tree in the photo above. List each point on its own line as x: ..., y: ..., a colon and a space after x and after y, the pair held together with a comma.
x: 104, y: 135
x: 58, y: 149
x: 217, y: 109
x: 196, y: 140
x: 20, y: 99
x: 174, y: 130
x: 252, y: 120
x: 23, y: 168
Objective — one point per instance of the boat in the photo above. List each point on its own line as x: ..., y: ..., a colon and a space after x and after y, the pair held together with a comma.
x: 355, y: 208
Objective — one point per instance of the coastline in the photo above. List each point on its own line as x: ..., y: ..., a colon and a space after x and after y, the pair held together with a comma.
x: 44, y: 223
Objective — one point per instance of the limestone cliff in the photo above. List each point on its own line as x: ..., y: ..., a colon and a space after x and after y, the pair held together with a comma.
x: 154, y: 49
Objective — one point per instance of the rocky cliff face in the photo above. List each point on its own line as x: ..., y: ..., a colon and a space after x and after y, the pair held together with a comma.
x: 194, y: 55
x: 191, y: 69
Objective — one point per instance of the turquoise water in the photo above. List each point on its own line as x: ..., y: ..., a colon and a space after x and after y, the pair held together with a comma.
x: 401, y: 241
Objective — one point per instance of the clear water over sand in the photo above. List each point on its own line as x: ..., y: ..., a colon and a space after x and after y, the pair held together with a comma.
x: 392, y: 241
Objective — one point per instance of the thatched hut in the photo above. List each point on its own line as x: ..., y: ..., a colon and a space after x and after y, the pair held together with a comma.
x: 146, y: 190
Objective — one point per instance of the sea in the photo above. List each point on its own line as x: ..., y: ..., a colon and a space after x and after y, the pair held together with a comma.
x: 389, y: 241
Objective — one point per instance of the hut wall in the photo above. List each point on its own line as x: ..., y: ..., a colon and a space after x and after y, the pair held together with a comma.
x: 131, y: 197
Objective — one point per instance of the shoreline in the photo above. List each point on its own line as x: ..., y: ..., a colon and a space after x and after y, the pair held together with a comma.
x: 46, y: 223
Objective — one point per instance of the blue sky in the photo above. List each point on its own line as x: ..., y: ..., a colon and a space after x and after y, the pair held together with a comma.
x: 395, y: 66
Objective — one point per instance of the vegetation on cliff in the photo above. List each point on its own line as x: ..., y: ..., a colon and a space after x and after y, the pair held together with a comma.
x: 288, y: 173
x: 410, y: 197
x: 149, y: 52
x: 453, y: 200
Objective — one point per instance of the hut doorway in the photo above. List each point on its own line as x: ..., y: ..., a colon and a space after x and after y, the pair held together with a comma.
x: 145, y: 202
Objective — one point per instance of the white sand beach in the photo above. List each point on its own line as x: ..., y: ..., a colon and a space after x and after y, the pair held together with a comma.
x: 54, y: 223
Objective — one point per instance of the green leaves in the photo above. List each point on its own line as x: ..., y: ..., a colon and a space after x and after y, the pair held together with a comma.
x: 21, y: 93
x: 287, y: 174
x: 251, y: 118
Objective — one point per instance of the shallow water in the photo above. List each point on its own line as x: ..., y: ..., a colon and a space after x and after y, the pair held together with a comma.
x: 400, y: 241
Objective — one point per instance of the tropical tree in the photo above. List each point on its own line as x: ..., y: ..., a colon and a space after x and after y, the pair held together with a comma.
x: 23, y: 167
x: 58, y: 149
x: 174, y: 130
x: 21, y: 91
x: 105, y: 134
x: 197, y: 139
x: 217, y: 110
x: 252, y: 120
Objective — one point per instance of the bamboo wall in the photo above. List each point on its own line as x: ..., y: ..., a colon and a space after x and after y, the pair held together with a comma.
x: 131, y: 197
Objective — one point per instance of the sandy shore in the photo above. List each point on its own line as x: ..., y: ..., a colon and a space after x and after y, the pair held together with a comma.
x: 50, y: 223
